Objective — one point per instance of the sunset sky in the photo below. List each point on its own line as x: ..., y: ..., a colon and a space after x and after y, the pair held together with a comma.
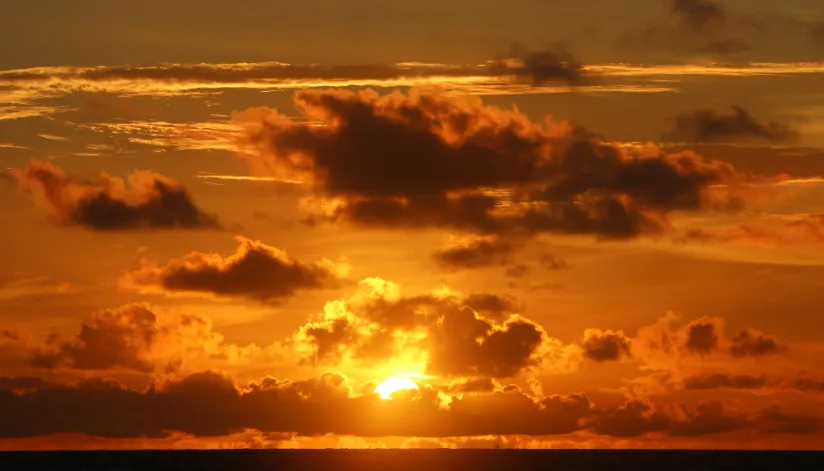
x: 548, y: 224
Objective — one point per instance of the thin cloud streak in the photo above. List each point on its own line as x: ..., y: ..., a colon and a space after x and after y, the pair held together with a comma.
x: 493, y: 78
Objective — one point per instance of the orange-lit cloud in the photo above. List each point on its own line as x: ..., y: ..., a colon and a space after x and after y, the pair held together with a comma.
x: 443, y: 334
x: 256, y: 271
x: 136, y: 337
x: 150, y: 201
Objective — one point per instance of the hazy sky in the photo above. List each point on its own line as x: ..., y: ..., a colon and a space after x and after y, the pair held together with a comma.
x: 588, y: 223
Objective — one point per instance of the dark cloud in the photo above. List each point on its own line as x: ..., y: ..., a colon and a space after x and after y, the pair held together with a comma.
x: 698, y: 15
x: 210, y: 404
x: 452, y: 338
x: 703, y: 335
x: 516, y: 271
x: 552, y: 262
x: 740, y: 125
x: 442, y: 162
x: 474, y: 253
x: 726, y: 381
x: 752, y: 343
x: 150, y: 201
x: 544, y: 66
x: 256, y: 271
x: 605, y: 345
x: 133, y: 337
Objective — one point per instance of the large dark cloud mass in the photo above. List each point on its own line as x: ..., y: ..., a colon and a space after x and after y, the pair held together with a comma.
x: 739, y: 125
x: 421, y: 160
x: 209, y: 404
x: 150, y: 201
x: 256, y: 271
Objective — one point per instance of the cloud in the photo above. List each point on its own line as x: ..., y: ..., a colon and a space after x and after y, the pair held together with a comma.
x: 698, y: 15
x: 739, y: 125
x: 442, y: 334
x: 700, y: 338
x: 770, y: 231
x: 540, y: 67
x: 752, y: 343
x: 474, y: 252
x: 150, y: 201
x: 721, y: 380
x: 457, y: 163
x: 137, y: 337
x: 703, y: 335
x: 601, y: 346
x: 256, y: 271
x: 210, y: 404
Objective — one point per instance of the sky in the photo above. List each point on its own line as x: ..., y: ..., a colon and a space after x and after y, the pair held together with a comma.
x: 370, y: 224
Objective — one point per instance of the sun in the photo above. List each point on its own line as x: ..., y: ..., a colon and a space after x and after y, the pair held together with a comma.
x: 386, y: 388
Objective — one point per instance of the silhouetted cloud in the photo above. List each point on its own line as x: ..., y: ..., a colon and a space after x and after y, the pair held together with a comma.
x: 150, y: 201
x: 475, y: 252
x: 721, y: 380
x: 740, y: 125
x: 256, y: 271
x: 543, y: 66
x: 703, y: 335
x: 605, y: 345
x: 752, y: 343
x: 698, y: 15
x: 210, y: 404
x: 441, y: 162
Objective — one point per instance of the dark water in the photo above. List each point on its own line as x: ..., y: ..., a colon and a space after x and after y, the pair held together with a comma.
x: 427, y: 460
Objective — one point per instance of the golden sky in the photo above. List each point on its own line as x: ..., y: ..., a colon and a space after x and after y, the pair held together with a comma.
x: 412, y: 224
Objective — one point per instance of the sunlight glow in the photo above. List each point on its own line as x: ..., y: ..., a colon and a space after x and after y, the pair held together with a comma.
x: 386, y: 388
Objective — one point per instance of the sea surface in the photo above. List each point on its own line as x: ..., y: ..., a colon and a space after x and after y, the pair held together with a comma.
x: 426, y: 460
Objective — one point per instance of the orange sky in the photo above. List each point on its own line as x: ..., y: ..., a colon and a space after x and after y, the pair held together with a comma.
x: 226, y: 232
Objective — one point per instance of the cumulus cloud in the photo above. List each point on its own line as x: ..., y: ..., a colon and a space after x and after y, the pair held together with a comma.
x: 149, y: 201
x: 605, y: 345
x: 739, y: 125
x: 136, y: 337
x: 211, y: 404
x: 752, y: 343
x: 701, y: 337
x: 256, y: 271
x: 457, y: 163
x: 441, y: 333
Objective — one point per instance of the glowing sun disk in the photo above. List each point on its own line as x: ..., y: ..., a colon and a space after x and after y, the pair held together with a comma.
x: 386, y: 388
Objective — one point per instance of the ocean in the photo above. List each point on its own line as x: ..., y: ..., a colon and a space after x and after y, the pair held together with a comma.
x: 426, y: 460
